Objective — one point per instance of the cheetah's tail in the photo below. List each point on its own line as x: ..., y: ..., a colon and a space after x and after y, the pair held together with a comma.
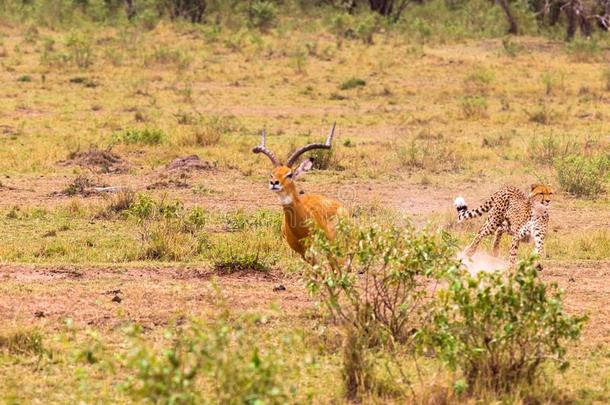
x: 464, y: 213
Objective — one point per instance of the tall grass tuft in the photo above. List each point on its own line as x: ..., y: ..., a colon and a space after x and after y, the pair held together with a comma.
x: 583, y: 176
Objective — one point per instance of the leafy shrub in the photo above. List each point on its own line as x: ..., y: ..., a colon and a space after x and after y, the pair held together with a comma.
x: 366, y: 267
x: 262, y: 14
x: 583, y: 176
x: 366, y: 26
x: 250, y: 251
x: 479, y: 80
x: 225, y: 355
x: 326, y: 160
x: 166, y: 239
x: 352, y: 84
x: 80, y: 51
x: 373, y: 279
x: 474, y: 107
x: 167, y: 230
x: 341, y: 26
x: 162, y: 378
x: 499, y: 329
x: 139, y: 136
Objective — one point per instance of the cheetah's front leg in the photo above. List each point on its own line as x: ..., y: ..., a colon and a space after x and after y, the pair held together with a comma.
x: 514, y: 248
x: 539, y: 245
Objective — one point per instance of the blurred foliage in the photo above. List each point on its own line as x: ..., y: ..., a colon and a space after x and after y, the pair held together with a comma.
x: 359, y: 19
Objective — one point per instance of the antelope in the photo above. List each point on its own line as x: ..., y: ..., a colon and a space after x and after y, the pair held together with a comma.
x: 300, y: 211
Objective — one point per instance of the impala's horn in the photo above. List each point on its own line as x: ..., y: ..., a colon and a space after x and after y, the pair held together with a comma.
x: 293, y: 158
x: 263, y: 149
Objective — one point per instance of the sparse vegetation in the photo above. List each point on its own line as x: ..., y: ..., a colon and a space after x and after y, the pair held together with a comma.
x: 499, y: 330
x: 352, y: 84
x: 583, y: 176
x: 147, y: 136
x: 474, y: 107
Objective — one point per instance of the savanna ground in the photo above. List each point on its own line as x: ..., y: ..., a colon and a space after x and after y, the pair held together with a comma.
x: 425, y: 123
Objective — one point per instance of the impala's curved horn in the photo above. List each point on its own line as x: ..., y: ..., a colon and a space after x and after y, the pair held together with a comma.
x: 327, y: 145
x: 263, y: 149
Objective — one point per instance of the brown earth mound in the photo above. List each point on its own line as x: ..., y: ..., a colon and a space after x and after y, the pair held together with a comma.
x: 101, y: 161
x: 178, y: 171
x: 190, y: 163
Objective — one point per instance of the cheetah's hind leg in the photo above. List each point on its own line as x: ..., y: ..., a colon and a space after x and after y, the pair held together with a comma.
x: 487, y: 229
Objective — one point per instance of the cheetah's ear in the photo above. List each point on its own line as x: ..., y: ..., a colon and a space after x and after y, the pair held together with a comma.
x: 534, y: 190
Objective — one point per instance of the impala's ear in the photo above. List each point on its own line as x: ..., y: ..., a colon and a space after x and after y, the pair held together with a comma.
x: 305, y: 166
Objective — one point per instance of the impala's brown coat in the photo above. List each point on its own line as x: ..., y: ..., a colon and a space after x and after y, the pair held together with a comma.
x: 301, y: 211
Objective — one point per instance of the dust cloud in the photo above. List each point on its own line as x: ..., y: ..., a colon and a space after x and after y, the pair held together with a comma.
x: 482, y: 261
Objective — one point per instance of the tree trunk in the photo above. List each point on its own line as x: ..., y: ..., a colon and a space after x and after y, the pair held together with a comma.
x: 512, y: 24
x: 131, y: 9
x: 577, y: 18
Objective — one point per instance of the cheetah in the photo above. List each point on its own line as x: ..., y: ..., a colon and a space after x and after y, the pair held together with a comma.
x: 513, y: 212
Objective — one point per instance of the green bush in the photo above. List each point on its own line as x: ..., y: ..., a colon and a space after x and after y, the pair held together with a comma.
x: 139, y: 136
x: 222, y: 355
x: 499, y: 329
x: 167, y: 230
x: 80, y: 51
x: 369, y: 265
x: 373, y: 279
x: 583, y: 176
x: 263, y: 14
x: 474, y: 107
x: 253, y: 251
x: 169, y: 239
x: 352, y: 84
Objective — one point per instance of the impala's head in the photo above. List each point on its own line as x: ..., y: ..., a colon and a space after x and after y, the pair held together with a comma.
x: 541, y: 193
x: 282, y: 176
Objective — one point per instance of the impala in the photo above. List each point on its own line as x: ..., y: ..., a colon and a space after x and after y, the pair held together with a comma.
x: 300, y: 211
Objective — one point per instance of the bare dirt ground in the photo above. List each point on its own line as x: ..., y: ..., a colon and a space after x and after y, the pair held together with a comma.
x: 107, y: 298
x: 231, y: 191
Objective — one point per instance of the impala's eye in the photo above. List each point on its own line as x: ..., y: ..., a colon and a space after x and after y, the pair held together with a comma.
x: 289, y: 175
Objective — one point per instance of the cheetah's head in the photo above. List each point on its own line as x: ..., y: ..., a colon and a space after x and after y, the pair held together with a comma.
x: 544, y: 191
